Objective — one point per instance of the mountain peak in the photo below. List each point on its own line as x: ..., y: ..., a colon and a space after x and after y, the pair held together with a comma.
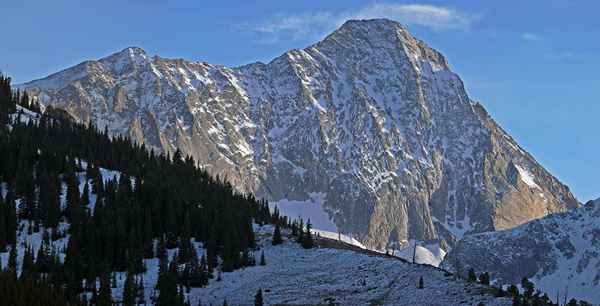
x: 373, y: 28
x: 132, y: 51
x: 129, y: 52
x: 381, y: 22
x: 125, y: 59
x: 384, y: 37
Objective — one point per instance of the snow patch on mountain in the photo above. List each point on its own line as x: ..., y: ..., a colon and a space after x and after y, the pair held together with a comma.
x: 527, y: 177
x: 311, y: 209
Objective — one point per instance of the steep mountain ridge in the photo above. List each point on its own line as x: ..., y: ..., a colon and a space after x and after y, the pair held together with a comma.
x: 369, y: 126
x: 559, y: 253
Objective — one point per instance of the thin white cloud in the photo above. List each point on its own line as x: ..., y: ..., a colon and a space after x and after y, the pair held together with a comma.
x: 561, y: 56
x: 531, y: 36
x: 436, y: 18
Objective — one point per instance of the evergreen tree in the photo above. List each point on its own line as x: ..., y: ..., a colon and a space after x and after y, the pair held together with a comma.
x: 307, y: 240
x: 300, y: 237
x: 258, y: 298
x: 484, y: 278
x: 277, y: 236
x: 262, y: 258
x: 512, y: 290
x: 27, y: 266
x: 472, y: 277
x: 294, y: 228
x: 168, y: 291
x: 105, y: 293
x: 129, y: 290
x: 528, y: 287
x: 85, y: 195
x: 12, y: 262
x: 572, y: 302
x: 3, y: 228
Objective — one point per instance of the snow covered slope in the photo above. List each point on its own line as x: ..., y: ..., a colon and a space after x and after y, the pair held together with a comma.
x: 297, y: 276
x: 370, y: 124
x: 559, y: 253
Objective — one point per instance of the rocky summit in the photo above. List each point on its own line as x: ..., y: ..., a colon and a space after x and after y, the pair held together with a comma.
x: 369, y: 126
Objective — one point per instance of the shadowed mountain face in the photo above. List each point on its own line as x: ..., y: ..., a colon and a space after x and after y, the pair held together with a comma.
x: 370, y: 120
x: 559, y: 253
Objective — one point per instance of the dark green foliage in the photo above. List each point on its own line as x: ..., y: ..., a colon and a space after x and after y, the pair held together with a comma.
x: 263, y: 262
x: 307, y: 238
x: 421, y: 284
x: 484, y: 278
x: 528, y: 287
x: 12, y: 263
x: 129, y: 289
x: 512, y: 290
x: 277, y: 235
x: 169, y: 293
x: 472, y: 277
x: 105, y: 293
x: 572, y: 302
x: 258, y: 298
x: 31, y: 292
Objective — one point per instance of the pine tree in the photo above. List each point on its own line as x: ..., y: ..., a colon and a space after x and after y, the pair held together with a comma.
x: 168, y: 291
x: 307, y: 240
x: 262, y: 258
x: 294, y: 228
x: 43, y: 260
x: 12, y: 262
x: 277, y: 236
x: 85, y: 195
x: 528, y: 287
x: 163, y: 264
x: 512, y: 290
x: 129, y: 290
x: 205, y: 274
x: 300, y: 237
x: 105, y: 293
x: 258, y: 298
x: 3, y: 236
x: 11, y: 218
x: 484, y: 278
x: 27, y: 267
x: 472, y: 277
x: 572, y: 302
x: 186, y: 249
x: 113, y: 280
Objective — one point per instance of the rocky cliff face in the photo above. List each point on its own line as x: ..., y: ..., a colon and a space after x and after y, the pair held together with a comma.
x: 370, y: 121
x: 559, y: 253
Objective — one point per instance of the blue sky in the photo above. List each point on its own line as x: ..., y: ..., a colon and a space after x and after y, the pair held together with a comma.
x: 533, y: 64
